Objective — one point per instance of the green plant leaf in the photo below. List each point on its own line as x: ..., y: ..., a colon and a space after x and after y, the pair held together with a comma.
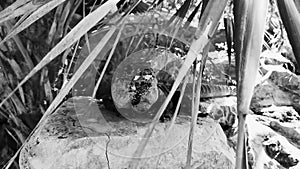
x: 65, y: 90
x: 206, y: 29
x: 20, y: 7
x: 290, y: 18
x: 43, y: 10
x: 250, y: 20
x: 75, y: 34
x: 21, y: 47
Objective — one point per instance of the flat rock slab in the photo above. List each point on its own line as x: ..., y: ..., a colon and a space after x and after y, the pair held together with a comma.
x: 81, y: 135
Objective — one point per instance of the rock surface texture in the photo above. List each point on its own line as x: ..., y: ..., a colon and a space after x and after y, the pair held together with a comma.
x: 81, y: 135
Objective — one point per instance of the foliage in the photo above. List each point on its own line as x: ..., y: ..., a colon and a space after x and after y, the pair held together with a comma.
x: 45, y: 35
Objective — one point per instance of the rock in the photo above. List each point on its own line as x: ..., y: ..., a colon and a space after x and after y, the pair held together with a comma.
x: 268, y: 94
x: 281, y: 113
x: 265, y: 142
x: 286, y: 79
x: 80, y: 135
x: 288, y: 132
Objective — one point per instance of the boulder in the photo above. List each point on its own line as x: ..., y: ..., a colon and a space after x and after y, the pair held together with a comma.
x: 270, y: 148
x: 81, y: 134
x: 268, y: 94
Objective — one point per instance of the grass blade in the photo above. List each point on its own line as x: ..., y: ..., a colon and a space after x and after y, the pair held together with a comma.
x: 297, y: 3
x: 192, y: 16
x: 228, y: 22
x: 181, y: 12
x: 75, y: 34
x: 169, y: 130
x: 191, y: 56
x: 290, y: 18
x: 65, y: 90
x: 20, y: 46
x: 87, y: 62
x: 179, y: 103
x: 33, y: 17
x: 20, y: 7
x: 112, y: 50
x: 250, y: 23
x: 22, y: 49
x: 207, y: 27
x: 54, y: 25
x: 107, y: 61
x: 195, y: 108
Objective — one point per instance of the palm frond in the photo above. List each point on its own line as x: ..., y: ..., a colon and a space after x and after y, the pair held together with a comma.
x: 65, y: 90
x: 228, y: 22
x: 195, y: 106
x: 107, y: 61
x: 206, y: 29
x: 75, y: 34
x: 249, y: 23
x: 181, y: 12
x: 192, y: 16
x: 112, y: 50
x: 19, y: 8
x: 33, y: 17
x: 290, y: 18
x: 21, y: 47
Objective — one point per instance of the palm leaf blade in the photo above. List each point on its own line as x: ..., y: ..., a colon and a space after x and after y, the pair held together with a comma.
x: 64, y: 91
x: 290, y: 18
x: 250, y: 23
x: 75, y: 34
x: 33, y: 17
x: 207, y: 27
x: 16, y: 9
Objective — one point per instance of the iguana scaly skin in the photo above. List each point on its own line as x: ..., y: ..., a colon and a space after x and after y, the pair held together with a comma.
x: 145, y: 44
